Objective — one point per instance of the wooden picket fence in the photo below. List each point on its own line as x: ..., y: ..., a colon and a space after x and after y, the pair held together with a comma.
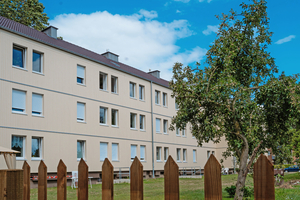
x: 263, y: 181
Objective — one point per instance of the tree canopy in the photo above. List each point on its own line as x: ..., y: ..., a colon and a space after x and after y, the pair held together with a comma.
x: 27, y: 12
x: 235, y: 94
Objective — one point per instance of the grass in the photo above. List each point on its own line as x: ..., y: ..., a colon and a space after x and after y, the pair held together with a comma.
x: 189, y: 189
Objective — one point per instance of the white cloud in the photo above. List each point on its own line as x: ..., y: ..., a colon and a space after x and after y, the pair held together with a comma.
x: 208, y: 1
x: 183, y: 1
x: 178, y: 11
x: 140, y: 41
x: 210, y: 29
x: 286, y: 39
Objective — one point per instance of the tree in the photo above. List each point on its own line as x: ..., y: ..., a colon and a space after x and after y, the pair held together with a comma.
x: 236, y: 94
x: 295, y: 145
x: 27, y: 12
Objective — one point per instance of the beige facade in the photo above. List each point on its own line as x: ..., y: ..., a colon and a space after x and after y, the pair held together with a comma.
x: 57, y: 128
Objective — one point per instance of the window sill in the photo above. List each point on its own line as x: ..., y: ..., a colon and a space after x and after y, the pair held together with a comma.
x: 103, y: 125
x: 184, y: 136
x: 36, y: 159
x: 195, y: 162
x: 142, y: 100
x: 103, y: 90
x: 184, y: 161
x: 114, y: 126
x: 33, y: 115
x: 143, y: 130
x: 20, y: 113
x: 81, y: 122
x: 39, y: 73
x: 159, y: 161
x: 115, y: 93
x: 166, y: 133
x: 21, y: 68
x: 133, y: 129
x: 143, y: 161
x: 21, y: 159
x: 165, y: 106
x: 178, y: 161
x: 157, y: 104
x: 81, y: 84
x: 158, y: 132
x: 115, y: 161
x: 133, y: 98
x: 178, y: 135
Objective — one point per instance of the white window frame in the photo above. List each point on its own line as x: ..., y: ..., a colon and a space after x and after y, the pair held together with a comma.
x: 82, y: 149
x: 40, y: 143
x: 158, y: 154
x: 79, y: 119
x: 194, y: 155
x: 23, y: 151
x: 102, y: 149
x: 165, y: 99
x: 105, y: 116
x: 166, y: 153
x: 20, y: 109
x: 41, y: 64
x: 24, y: 51
x: 83, y: 78
x: 117, y: 151
x: 105, y: 81
x: 131, y: 147
x: 158, y: 122
x: 134, y: 118
x: 114, y: 80
x: 142, y: 122
x: 143, y: 157
x: 35, y: 113
x: 157, y: 97
x: 141, y: 92
x: 165, y: 126
x: 116, y: 117
x: 184, y: 155
x: 133, y: 87
x: 178, y: 155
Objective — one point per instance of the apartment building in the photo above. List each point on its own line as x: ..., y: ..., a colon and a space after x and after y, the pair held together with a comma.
x: 61, y: 101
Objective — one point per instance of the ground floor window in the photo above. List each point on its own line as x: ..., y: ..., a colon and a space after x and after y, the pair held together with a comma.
x: 36, y: 148
x: 18, y: 144
x: 80, y: 149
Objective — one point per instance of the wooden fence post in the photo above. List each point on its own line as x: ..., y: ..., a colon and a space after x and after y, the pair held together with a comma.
x: 11, y: 184
x: 263, y: 179
x: 83, y: 187
x: 61, y: 181
x: 42, y: 181
x: 212, y: 179
x: 107, y: 180
x: 171, y: 176
x: 26, y: 181
x: 136, y: 180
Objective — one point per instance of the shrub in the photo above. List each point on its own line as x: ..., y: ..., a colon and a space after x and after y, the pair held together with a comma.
x: 248, y: 191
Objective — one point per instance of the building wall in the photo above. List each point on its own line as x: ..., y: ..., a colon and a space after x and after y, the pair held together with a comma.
x: 59, y: 128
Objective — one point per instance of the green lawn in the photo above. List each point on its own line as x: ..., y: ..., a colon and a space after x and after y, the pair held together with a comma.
x: 189, y: 189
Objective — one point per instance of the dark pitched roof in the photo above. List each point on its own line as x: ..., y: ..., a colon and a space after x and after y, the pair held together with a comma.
x: 36, y: 35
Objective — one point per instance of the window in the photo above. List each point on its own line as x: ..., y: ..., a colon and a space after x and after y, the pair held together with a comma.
x: 177, y: 131
x: 165, y: 126
x: 37, y: 104
x: 213, y: 152
x: 115, y: 152
x: 103, y: 81
x: 37, y: 62
x: 114, y: 84
x: 132, y: 120
x: 142, y: 122
x: 176, y: 105
x: 18, y: 144
x: 178, y: 154
x: 184, y: 155
x: 80, y: 149
x: 208, y: 154
x: 142, y: 152
x: 142, y: 92
x: 157, y: 97
x: 18, y: 57
x: 158, y: 153
x: 103, y: 115
x: 103, y: 151
x: 114, y: 117
x: 132, y: 89
x: 36, y: 148
x: 80, y: 111
x: 133, y: 152
x: 165, y: 99
x: 80, y: 74
x: 183, y: 132
x: 194, y: 155
x: 18, y: 101
x: 166, y: 153
x: 157, y: 125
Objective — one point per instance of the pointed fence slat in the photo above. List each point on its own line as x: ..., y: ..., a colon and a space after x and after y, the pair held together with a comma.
x: 263, y: 179
x: 42, y: 181
x: 11, y: 184
x: 83, y: 188
x: 212, y: 179
x: 107, y: 180
x: 171, y: 176
x: 61, y: 181
x: 136, y: 180
x: 26, y: 181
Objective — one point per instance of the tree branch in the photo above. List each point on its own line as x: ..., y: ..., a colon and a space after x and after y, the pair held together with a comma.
x: 252, y: 158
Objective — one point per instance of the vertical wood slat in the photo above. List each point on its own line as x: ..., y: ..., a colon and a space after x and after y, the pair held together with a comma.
x: 83, y: 188
x: 26, y: 181
x: 42, y: 181
x: 136, y: 180
x: 212, y: 179
x: 11, y: 184
x: 107, y: 180
x: 171, y: 176
x: 263, y: 179
x: 61, y: 181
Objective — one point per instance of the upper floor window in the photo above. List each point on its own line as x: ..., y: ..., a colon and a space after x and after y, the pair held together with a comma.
x: 157, y: 97
x: 132, y: 120
x: 80, y: 74
x: 37, y: 62
x: 176, y: 105
x: 183, y: 132
x: 157, y: 125
x: 132, y: 89
x: 208, y: 154
x: 165, y: 99
x: 18, y: 144
x: 114, y: 117
x: 103, y: 115
x: 165, y: 126
x: 103, y: 81
x: 37, y: 104
x: 18, y: 56
x: 18, y: 101
x: 142, y: 92
x: 184, y: 155
x: 142, y: 122
x: 177, y: 131
x: 114, y: 84
x: 80, y: 111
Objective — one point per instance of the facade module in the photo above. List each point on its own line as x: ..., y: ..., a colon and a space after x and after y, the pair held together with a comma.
x: 61, y: 101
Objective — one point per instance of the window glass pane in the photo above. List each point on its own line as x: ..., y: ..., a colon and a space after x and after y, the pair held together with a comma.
x: 114, y: 84
x: 158, y: 153
x: 103, y: 81
x: 37, y: 104
x: 35, y: 147
x: 142, y: 122
x: 177, y: 131
x: 115, y: 152
x: 103, y: 151
x: 103, y: 115
x: 164, y: 99
x: 133, y: 152
x: 208, y: 154
x: 184, y: 154
x: 18, y: 100
x: 80, y: 111
x: 80, y: 149
x: 194, y: 155
x: 18, y: 57
x: 166, y: 153
x: 141, y: 93
x: 37, y: 62
x: 178, y: 154
x: 132, y: 89
x: 80, y: 74
x: 165, y: 126
x: 114, y: 117
x: 183, y: 132
x: 157, y: 125
x: 17, y: 145
x: 132, y: 120
x: 142, y: 152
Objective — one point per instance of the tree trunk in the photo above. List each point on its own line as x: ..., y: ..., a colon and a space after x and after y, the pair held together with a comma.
x: 240, y: 184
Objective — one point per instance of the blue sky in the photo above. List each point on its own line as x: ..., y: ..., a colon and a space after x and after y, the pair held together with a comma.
x: 154, y: 34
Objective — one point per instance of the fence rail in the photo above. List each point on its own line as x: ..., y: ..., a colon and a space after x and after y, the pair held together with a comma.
x: 20, y: 179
